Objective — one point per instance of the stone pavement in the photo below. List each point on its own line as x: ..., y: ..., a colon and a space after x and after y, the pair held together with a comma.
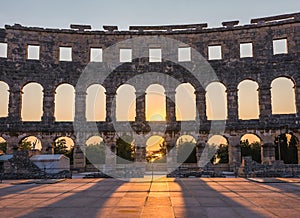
x: 165, y: 197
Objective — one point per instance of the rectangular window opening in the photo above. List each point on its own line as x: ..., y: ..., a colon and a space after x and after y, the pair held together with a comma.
x: 280, y: 46
x: 155, y: 55
x: 33, y: 52
x: 184, y: 54
x: 3, y: 50
x: 125, y: 55
x: 246, y: 50
x: 214, y: 52
x: 96, y: 54
x: 65, y: 53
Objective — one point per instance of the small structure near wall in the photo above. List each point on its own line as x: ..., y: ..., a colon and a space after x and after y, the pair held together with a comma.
x: 51, y: 163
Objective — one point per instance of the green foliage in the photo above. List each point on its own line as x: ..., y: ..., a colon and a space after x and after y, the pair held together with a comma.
x: 60, y: 147
x: 186, y: 153
x: 125, y: 150
x: 253, y: 150
x: 25, y: 145
x: 158, y: 156
x: 3, y: 147
x: 221, y: 155
x: 95, y: 153
x: 288, y: 149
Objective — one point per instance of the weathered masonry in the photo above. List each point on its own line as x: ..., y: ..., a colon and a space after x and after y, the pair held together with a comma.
x: 262, y: 64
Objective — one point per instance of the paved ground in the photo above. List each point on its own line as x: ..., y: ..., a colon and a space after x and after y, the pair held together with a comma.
x: 193, y: 197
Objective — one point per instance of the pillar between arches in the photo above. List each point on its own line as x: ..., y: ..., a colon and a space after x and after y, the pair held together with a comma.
x: 234, y: 151
x: 140, y: 106
x: 48, y: 106
x: 268, y: 153
x: 170, y: 105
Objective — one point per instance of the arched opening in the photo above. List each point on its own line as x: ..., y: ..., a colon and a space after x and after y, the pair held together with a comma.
x: 125, y: 103
x: 185, y: 102
x: 218, y: 149
x: 3, y: 146
x: 156, y: 149
x: 186, y: 149
x: 30, y: 143
x: 216, y: 101
x: 95, y: 103
x: 32, y: 102
x: 283, y: 96
x: 248, y: 100
x: 95, y: 150
x: 4, y: 96
x: 286, y: 148
x: 251, y: 146
x: 125, y: 149
x: 155, y: 103
x: 64, y: 103
x: 64, y: 145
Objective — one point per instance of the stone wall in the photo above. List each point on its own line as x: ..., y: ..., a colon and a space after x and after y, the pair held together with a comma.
x: 16, y: 70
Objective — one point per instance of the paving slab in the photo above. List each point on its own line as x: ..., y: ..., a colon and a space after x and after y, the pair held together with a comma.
x: 163, y: 197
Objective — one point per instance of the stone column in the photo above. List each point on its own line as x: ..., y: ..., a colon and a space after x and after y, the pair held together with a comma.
x: 171, y: 152
x: 79, y: 150
x: 48, y: 144
x: 201, y: 105
x: 234, y: 151
x: 110, y: 104
x: 140, y: 106
x: 268, y: 149
x: 297, y: 92
x: 265, y: 104
x: 12, y: 144
x: 15, y: 104
x: 48, y: 106
x: 80, y: 105
x: 202, y: 160
x: 232, y: 103
x: 170, y: 106
x: 111, y: 151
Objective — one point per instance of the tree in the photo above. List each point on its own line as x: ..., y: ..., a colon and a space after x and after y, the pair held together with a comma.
x: 186, y: 152
x: 60, y: 147
x: 125, y: 150
x: 25, y: 145
x: 3, y: 147
x: 288, y: 148
x: 253, y: 150
x: 95, y: 153
x: 221, y: 155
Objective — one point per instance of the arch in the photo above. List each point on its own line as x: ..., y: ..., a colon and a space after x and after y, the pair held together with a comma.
x: 95, y: 150
x: 251, y: 146
x: 283, y: 96
x: 95, y: 103
x: 155, y: 103
x: 125, y: 149
x: 4, y: 96
x: 218, y: 145
x: 30, y: 143
x: 64, y: 103
x: 185, y: 99
x: 286, y: 148
x: 186, y: 149
x: 3, y: 146
x: 32, y: 102
x: 248, y: 101
x: 216, y: 101
x: 125, y: 103
x: 156, y: 149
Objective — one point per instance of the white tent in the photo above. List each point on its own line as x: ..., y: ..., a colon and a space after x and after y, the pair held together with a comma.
x: 51, y: 163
